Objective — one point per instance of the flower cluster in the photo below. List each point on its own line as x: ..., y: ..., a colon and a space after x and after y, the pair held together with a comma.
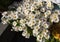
x: 33, y: 18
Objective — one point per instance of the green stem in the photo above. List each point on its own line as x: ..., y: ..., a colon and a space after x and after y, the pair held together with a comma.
x: 52, y: 40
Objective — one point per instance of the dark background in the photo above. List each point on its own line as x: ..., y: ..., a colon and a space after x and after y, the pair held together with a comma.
x: 12, y: 36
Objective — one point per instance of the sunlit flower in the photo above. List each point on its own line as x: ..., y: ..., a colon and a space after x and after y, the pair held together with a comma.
x: 39, y: 38
x: 14, y: 23
x: 42, y: 9
x: 22, y: 21
x: 46, y: 34
x: 45, y: 25
x: 19, y: 9
x: 25, y: 34
x: 31, y: 23
x: 37, y: 27
x: 54, y: 18
x: 49, y: 4
x: 31, y: 16
x: 35, y: 32
x: 47, y: 13
x: 32, y: 8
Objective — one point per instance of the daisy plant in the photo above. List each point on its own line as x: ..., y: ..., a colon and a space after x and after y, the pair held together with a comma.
x: 33, y: 17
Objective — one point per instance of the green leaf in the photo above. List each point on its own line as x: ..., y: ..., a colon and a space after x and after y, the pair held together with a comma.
x: 29, y: 30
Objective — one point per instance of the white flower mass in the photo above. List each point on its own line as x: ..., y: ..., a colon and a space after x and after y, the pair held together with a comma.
x: 33, y: 17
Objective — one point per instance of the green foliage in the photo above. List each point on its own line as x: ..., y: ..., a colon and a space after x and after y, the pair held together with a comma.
x: 52, y: 39
x: 29, y: 30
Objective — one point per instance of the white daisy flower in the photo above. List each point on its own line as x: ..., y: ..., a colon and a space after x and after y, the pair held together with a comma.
x: 22, y: 21
x: 31, y: 23
x: 45, y: 25
x: 24, y: 33
x: 42, y: 9
x: 19, y: 9
x: 26, y: 12
x: 47, y: 36
x: 15, y: 28
x: 14, y: 15
x: 47, y: 13
x: 35, y: 32
x: 40, y: 3
x: 32, y: 8
x: 57, y: 12
x: 54, y: 18
x: 14, y: 23
x: 37, y: 12
x: 4, y: 13
x: 4, y: 21
x: 37, y: 27
x: 39, y: 38
x: 27, y: 36
x: 20, y: 28
x: 49, y: 5
x: 31, y: 16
